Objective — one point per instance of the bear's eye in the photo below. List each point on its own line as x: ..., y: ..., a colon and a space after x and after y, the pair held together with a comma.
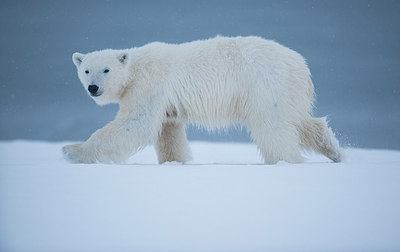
x: 87, y: 71
x: 106, y: 70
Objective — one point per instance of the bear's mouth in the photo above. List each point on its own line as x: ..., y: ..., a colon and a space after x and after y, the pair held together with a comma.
x: 96, y: 94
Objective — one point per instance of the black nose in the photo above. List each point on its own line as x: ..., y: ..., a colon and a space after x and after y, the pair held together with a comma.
x: 93, y: 89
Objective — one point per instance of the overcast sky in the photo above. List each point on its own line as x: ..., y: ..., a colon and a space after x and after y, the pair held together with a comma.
x: 352, y: 48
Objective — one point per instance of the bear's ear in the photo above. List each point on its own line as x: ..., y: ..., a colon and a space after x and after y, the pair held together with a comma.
x: 123, y: 57
x: 77, y: 58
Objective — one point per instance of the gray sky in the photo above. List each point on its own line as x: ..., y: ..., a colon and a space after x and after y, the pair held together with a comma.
x: 352, y: 48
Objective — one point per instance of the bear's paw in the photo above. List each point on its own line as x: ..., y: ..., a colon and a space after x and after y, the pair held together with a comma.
x: 76, y: 153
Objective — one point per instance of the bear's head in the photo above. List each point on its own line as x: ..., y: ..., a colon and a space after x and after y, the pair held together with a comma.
x: 104, y: 74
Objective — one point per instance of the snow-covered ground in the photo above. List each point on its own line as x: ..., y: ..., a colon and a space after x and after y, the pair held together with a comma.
x: 225, y: 200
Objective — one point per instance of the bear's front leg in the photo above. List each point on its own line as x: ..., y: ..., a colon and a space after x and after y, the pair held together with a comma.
x: 172, y: 144
x: 117, y: 141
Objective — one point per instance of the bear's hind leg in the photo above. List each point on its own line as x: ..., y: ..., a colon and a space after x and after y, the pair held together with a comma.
x: 172, y: 144
x: 316, y: 135
x: 276, y: 142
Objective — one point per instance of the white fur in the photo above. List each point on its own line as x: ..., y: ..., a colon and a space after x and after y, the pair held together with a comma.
x: 212, y: 83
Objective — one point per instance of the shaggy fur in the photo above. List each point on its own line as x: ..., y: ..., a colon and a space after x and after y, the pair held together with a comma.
x: 212, y: 83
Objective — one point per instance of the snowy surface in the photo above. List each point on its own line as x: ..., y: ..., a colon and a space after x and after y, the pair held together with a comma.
x: 225, y: 200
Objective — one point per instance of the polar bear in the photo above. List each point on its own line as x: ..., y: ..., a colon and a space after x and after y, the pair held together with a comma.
x: 212, y: 83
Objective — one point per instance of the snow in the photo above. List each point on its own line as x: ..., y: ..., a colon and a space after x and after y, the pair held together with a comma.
x: 225, y: 200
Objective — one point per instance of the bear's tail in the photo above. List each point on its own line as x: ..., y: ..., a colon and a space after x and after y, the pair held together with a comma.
x: 316, y: 135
